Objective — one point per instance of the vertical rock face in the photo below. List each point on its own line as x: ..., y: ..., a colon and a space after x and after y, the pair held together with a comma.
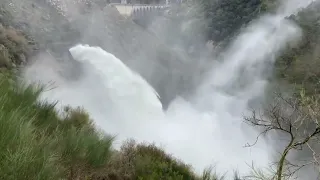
x: 58, y: 25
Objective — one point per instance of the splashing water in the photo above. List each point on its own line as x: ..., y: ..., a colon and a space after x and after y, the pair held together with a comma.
x: 125, y: 88
x: 204, y: 130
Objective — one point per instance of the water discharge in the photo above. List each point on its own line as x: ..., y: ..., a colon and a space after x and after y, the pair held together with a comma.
x: 203, y: 130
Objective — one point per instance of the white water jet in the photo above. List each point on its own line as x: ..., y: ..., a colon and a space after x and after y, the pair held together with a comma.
x: 125, y: 88
x: 204, y: 131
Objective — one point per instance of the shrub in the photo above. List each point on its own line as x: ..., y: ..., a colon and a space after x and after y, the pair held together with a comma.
x: 23, y: 154
x: 299, y: 63
x: 146, y: 161
x: 37, y: 143
x: 13, y: 47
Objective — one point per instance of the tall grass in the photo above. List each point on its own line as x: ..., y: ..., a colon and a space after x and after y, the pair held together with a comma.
x: 35, y: 143
x: 38, y: 143
x: 24, y: 154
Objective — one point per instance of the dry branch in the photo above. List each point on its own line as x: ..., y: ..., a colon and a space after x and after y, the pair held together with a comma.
x: 298, y: 119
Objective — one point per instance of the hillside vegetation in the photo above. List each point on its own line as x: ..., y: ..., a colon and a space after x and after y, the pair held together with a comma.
x: 299, y: 64
x: 13, y: 47
x: 38, y: 143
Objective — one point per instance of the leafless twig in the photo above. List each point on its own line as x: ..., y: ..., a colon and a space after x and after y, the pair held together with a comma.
x: 290, y: 116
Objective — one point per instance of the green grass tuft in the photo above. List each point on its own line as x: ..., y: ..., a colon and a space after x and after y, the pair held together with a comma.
x: 35, y: 143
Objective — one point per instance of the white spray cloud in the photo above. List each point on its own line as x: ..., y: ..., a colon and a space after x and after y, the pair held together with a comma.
x: 204, y: 131
x: 289, y: 7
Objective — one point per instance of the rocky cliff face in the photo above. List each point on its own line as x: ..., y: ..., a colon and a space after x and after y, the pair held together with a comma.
x: 57, y: 26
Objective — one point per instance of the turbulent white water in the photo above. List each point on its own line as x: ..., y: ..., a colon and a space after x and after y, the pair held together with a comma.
x: 124, y: 88
x: 206, y: 130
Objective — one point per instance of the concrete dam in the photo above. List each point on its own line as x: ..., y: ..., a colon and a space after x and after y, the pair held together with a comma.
x: 142, y: 14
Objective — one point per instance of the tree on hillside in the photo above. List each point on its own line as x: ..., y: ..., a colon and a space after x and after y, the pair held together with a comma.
x: 298, y: 121
x: 299, y: 63
x: 227, y: 16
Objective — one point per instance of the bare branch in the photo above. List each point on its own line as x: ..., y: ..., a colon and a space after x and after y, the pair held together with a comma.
x: 290, y: 116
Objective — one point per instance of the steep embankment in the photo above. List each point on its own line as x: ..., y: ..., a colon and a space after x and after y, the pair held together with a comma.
x: 55, y: 32
x: 299, y: 64
x: 37, y: 143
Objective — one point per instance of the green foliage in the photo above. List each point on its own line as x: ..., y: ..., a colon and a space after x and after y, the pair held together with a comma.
x: 160, y: 164
x: 228, y: 16
x: 23, y: 154
x: 37, y: 143
x: 299, y: 63
x: 146, y: 161
x: 209, y: 174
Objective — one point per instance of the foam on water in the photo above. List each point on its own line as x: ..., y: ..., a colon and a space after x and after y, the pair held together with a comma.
x: 203, y: 130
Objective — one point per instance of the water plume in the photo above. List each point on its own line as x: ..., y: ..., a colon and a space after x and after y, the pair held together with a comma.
x: 203, y: 130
